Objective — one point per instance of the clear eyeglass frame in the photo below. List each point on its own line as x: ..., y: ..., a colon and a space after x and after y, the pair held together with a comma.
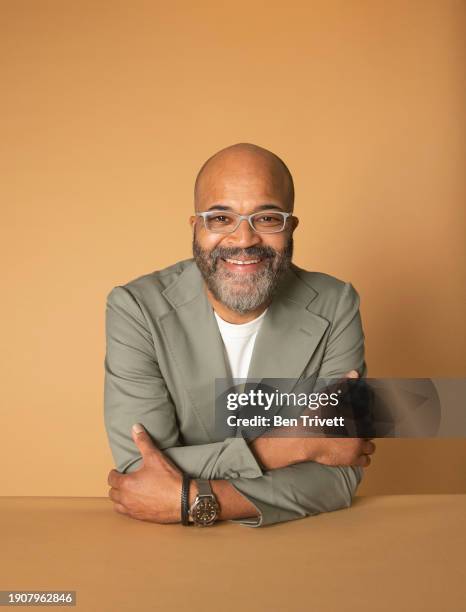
x: 239, y: 218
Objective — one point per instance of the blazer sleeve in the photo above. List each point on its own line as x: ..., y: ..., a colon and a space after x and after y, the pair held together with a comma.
x: 309, y: 488
x: 135, y: 391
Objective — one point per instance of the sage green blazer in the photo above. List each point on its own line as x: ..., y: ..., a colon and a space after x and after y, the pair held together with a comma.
x: 164, y: 352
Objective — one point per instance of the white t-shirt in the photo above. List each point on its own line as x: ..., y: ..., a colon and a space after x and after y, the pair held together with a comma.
x: 239, y: 343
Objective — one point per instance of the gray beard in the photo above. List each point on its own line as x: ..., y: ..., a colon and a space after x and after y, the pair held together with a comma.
x: 237, y: 293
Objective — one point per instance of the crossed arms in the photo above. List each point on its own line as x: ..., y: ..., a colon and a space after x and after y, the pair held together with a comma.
x: 269, y: 481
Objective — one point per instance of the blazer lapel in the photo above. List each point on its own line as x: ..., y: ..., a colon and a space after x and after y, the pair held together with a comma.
x: 194, y: 339
x: 290, y: 332
x: 287, y: 339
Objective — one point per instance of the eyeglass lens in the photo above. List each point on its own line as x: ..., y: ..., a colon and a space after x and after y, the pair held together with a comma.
x: 265, y: 223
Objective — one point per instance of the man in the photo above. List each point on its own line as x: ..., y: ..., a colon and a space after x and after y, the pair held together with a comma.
x: 239, y: 308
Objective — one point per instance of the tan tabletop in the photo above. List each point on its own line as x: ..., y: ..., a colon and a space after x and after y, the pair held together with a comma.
x: 384, y: 553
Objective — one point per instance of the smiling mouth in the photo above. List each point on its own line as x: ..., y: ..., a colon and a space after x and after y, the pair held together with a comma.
x: 241, y: 262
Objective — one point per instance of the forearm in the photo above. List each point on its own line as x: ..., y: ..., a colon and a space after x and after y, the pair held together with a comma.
x: 233, y: 505
x: 297, y: 491
x: 283, y: 494
x: 231, y: 458
x: 274, y: 452
x: 235, y: 458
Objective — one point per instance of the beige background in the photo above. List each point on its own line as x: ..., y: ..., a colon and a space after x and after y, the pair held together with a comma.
x: 108, y: 109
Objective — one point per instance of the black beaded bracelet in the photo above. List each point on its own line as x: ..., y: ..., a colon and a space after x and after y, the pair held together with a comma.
x: 185, y: 500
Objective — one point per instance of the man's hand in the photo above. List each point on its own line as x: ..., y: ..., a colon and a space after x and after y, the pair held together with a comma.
x: 343, y: 451
x: 274, y: 453
x: 151, y: 493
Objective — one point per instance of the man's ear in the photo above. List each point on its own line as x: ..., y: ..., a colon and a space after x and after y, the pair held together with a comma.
x: 295, y: 221
x: 192, y: 221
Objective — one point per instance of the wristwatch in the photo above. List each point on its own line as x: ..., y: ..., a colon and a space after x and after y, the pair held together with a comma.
x: 205, y: 509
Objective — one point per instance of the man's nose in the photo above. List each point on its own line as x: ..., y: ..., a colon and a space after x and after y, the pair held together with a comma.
x: 243, y: 236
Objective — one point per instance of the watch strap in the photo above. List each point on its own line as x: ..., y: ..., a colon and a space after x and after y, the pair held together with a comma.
x: 203, y: 487
x: 185, y: 499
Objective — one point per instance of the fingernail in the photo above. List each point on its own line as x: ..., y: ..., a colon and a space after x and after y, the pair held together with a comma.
x: 138, y: 428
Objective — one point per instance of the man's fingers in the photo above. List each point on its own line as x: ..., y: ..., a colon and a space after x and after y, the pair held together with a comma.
x: 114, y: 479
x: 363, y: 461
x: 341, y: 381
x: 115, y: 495
x: 117, y: 499
x: 143, y: 441
x: 368, y: 448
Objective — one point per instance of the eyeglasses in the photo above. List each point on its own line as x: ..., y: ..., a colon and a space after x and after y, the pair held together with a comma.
x: 226, y: 222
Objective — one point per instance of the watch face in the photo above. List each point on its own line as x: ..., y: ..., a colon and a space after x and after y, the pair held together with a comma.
x: 205, y: 511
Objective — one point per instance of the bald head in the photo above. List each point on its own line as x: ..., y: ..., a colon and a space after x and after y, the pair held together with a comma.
x: 240, y: 171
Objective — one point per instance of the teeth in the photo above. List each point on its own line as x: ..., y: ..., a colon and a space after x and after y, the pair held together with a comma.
x: 243, y: 263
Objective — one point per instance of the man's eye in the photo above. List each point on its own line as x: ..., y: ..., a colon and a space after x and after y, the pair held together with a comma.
x: 220, y: 219
x: 268, y: 219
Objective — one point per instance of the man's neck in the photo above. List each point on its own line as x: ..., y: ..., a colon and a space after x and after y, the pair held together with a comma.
x: 232, y: 316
